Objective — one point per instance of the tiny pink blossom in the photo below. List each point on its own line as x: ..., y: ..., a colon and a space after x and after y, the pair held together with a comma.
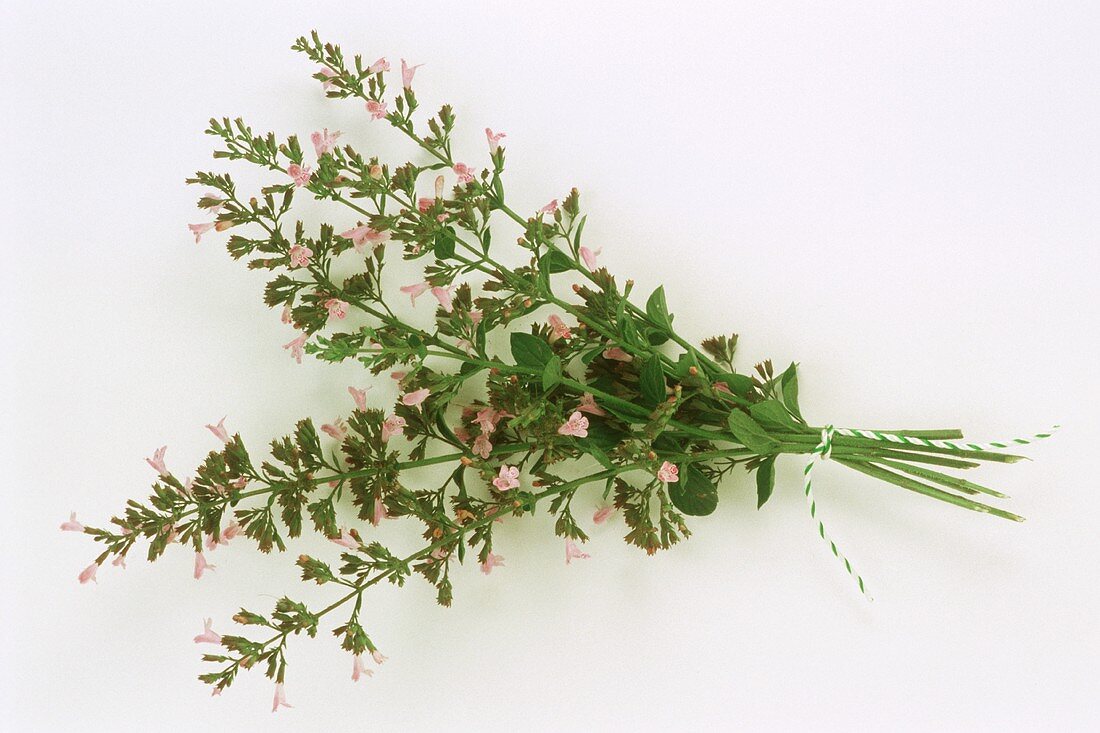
x: 297, y: 347
x: 443, y: 295
x: 300, y: 174
x: 378, y: 657
x: 462, y: 434
x: 280, y: 698
x: 200, y: 229
x: 201, y: 566
x: 550, y: 208
x: 466, y: 344
x: 476, y: 316
x: 487, y: 419
x: 240, y: 483
x: 88, y: 573
x: 407, y: 73
x: 363, y: 235
x: 558, y: 329
x: 482, y: 446
x: 588, y: 404
x: 337, y: 308
x: 414, y: 398
x: 216, y: 203
x: 299, y: 255
x: 157, y: 461
x: 287, y: 315
x: 494, y: 139
x: 232, y: 530
x: 119, y: 562
x: 617, y: 354
x: 439, y: 554
x: 377, y: 110
x: 324, y: 142
x: 359, y: 668
x: 576, y: 425
x: 379, y: 513
x: 492, y: 561
x: 589, y: 257
x: 602, y: 514
x: 424, y: 203
x: 208, y: 635
x: 464, y: 172
x: 360, y: 397
x: 668, y: 473
x: 722, y: 387
x: 573, y: 552
x: 379, y: 66
x: 219, y: 431
x: 346, y: 540
x: 337, y: 429
x: 328, y: 74
x: 508, y: 478
x: 397, y: 376
x: 391, y: 426
x: 415, y: 290
x: 72, y: 525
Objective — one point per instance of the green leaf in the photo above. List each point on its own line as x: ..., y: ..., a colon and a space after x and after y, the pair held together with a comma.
x: 749, y: 433
x: 739, y: 384
x: 772, y: 415
x: 556, y: 261
x: 651, y: 380
x: 694, y: 494
x: 530, y: 351
x: 551, y: 374
x: 765, y: 481
x: 657, y: 309
x: 788, y: 384
x: 445, y: 243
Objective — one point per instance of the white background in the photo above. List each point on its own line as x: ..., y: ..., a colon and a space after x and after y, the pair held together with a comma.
x: 901, y: 196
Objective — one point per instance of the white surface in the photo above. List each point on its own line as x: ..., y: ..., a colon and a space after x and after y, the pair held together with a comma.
x: 902, y: 198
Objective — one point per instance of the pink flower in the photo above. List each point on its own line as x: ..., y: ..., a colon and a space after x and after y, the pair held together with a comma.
x: 482, y: 446
x: 379, y: 512
x: 439, y: 186
x: 721, y: 387
x: 439, y: 554
x: 157, y: 461
x: 391, y: 426
x: 558, y: 329
x: 414, y: 398
x: 201, y: 566
x: 572, y: 552
x: 360, y: 397
x: 550, y: 208
x: 216, y: 203
x: 363, y: 235
x: 443, y: 295
x: 589, y: 257
x: 359, y: 668
x: 492, y: 561
x: 337, y: 308
x: 299, y: 255
x: 287, y: 315
x: 338, y: 429
x: 476, y: 316
x: 119, y: 562
x: 462, y: 434
x: 346, y: 540
x: 300, y: 174
x: 88, y: 573
x: 424, y: 203
x: 415, y: 290
x: 232, y: 530
x: 494, y: 139
x: 576, y: 425
x: 464, y: 172
x: 488, y: 418
x: 72, y: 525
x: 378, y: 657
x: 602, y: 514
x: 407, y: 74
x: 208, y: 635
x: 397, y: 376
x: 668, y: 473
x: 508, y: 478
x: 379, y: 66
x: 588, y: 404
x: 280, y: 698
x: 324, y: 142
x: 200, y: 229
x: 296, y: 347
x: 377, y: 110
x: 219, y: 431
x: 328, y: 74
x: 617, y: 354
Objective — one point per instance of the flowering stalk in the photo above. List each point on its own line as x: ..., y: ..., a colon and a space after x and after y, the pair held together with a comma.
x: 595, y: 387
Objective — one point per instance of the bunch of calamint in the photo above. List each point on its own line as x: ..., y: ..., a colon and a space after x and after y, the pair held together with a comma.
x: 594, y: 391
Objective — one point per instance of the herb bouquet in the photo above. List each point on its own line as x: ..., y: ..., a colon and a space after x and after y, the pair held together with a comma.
x: 595, y: 394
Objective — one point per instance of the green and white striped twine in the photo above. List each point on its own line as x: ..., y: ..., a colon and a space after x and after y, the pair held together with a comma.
x: 825, y: 447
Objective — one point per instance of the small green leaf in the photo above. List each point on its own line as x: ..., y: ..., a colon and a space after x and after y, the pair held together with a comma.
x: 556, y: 261
x: 651, y: 380
x: 739, y: 384
x: 657, y: 309
x: 530, y: 351
x: 551, y: 374
x: 765, y: 481
x: 788, y: 384
x: 749, y: 433
x: 445, y: 243
x: 773, y: 416
x: 694, y: 494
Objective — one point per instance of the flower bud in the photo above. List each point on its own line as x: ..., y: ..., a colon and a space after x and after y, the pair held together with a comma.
x: 221, y: 226
x: 375, y: 172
